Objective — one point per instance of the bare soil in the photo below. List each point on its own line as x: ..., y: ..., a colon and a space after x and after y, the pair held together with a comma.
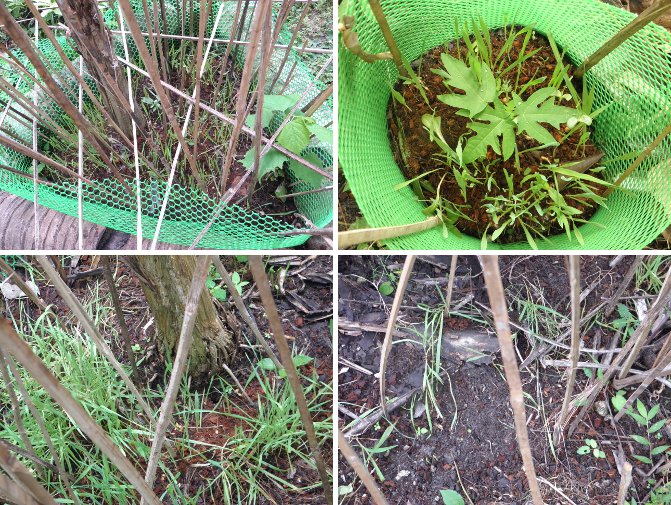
x: 479, y: 456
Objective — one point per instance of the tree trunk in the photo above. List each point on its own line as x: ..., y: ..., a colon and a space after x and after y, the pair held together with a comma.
x: 94, y: 42
x: 165, y: 281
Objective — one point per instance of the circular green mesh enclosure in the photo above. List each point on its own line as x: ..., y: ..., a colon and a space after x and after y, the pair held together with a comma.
x: 188, y: 210
x: 633, y: 82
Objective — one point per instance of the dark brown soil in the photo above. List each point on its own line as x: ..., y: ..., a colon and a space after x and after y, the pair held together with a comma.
x: 420, y: 154
x: 480, y: 455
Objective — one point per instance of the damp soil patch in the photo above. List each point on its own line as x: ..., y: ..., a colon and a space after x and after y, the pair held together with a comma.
x: 478, y: 454
x: 416, y: 153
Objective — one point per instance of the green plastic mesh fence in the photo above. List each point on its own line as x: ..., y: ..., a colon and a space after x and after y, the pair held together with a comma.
x: 188, y: 211
x: 633, y: 83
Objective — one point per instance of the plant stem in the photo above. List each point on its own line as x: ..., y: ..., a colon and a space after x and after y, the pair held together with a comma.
x: 497, y: 300
x: 644, y: 18
x: 388, y: 37
x: 360, y: 470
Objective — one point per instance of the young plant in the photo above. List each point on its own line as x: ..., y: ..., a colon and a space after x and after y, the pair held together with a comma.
x: 644, y: 417
x: 370, y: 453
x: 591, y: 446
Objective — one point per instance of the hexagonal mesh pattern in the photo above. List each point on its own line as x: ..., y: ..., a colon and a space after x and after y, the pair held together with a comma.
x: 633, y: 83
x: 188, y: 210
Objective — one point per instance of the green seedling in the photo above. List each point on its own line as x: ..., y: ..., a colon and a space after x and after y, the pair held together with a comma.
x: 370, y: 453
x: 591, y: 446
x: 451, y: 497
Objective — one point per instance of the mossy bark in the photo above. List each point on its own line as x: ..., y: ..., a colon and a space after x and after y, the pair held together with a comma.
x: 165, y: 281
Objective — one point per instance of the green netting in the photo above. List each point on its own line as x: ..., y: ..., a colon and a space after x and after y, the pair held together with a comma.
x: 188, y: 210
x: 633, y: 82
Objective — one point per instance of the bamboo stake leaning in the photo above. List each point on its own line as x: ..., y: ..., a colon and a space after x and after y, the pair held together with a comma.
x: 652, y: 13
x: 111, y: 285
x: 263, y: 285
x: 391, y: 324
x: 78, y: 310
x: 450, y: 284
x: 43, y: 429
x: 25, y: 356
x: 574, y: 281
x: 14, y: 492
x: 179, y: 366
x: 22, y: 476
x: 388, y: 37
x: 354, y: 237
x: 361, y: 471
x: 497, y: 300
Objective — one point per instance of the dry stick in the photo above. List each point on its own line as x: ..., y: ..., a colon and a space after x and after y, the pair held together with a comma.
x: 78, y: 310
x: 111, y: 285
x: 234, y: 26
x: 23, y: 476
x: 574, y: 282
x: 152, y: 68
x: 36, y: 222
x: 25, y: 356
x: 43, y: 430
x: 354, y: 237
x: 231, y: 121
x: 202, y: 24
x: 173, y: 167
x: 127, y: 104
x: 450, y: 284
x: 263, y: 285
x: 129, y: 85
x: 666, y: 347
x: 360, y: 470
x: 14, y: 493
x: 299, y: 24
x: 21, y: 39
x: 318, y: 101
x: 244, y: 313
x: 654, y: 373
x: 266, y: 40
x: 179, y: 366
x: 625, y: 482
x: 388, y: 37
x: 11, y: 273
x: 16, y: 409
x: 629, y: 353
x: 391, y: 324
x: 243, y: 90
x: 293, y: 67
x: 623, y: 285
x: 80, y: 166
x: 640, y: 336
x: 497, y: 300
x: 641, y: 158
x: 656, y: 10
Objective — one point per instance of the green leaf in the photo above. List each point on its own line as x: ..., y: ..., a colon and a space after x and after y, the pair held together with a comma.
x: 295, y: 136
x: 478, y: 93
x: 583, y: 449
x: 591, y: 443
x: 659, y: 450
x: 618, y: 401
x: 643, y: 459
x: 325, y: 135
x: 653, y: 412
x: 500, y: 125
x: 269, y: 162
x: 540, y: 108
x: 267, y: 364
x: 280, y: 103
x: 657, y: 426
x: 641, y: 409
x: 451, y: 497
x: 641, y: 440
x: 303, y: 173
x: 301, y: 360
x: 219, y: 293
x: 386, y: 288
